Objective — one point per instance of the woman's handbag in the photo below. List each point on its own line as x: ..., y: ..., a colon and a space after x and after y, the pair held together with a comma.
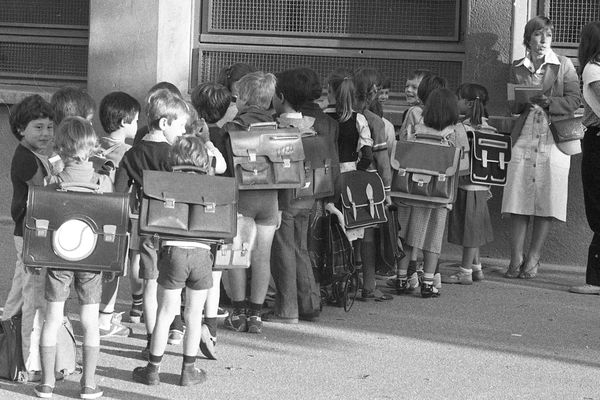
x: 363, y: 199
x: 567, y: 134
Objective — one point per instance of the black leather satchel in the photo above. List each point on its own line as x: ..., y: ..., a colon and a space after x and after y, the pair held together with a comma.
x: 490, y: 154
x: 192, y: 205
x: 363, y: 199
x: 76, y: 227
x: 318, y: 171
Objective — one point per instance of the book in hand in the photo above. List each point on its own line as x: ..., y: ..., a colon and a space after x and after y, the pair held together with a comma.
x: 522, y: 94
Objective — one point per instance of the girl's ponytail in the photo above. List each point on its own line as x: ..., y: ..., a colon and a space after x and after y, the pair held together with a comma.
x: 340, y: 81
x: 477, y: 111
x: 477, y: 97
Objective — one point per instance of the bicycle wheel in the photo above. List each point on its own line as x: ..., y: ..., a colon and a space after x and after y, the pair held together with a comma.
x: 350, y: 290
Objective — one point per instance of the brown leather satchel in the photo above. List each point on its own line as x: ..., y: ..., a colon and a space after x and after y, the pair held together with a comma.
x: 176, y: 204
x: 267, y: 157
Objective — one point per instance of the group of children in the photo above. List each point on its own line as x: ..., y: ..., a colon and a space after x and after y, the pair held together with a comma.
x: 174, y: 287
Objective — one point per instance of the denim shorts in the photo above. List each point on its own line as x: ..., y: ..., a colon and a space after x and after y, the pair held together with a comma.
x: 181, y: 267
x: 88, y: 286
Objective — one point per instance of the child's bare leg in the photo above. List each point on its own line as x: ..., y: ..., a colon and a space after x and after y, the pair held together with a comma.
x: 194, y: 304
x: 169, y: 301
x: 150, y: 304
x: 469, y: 254
x: 53, y: 321
x: 213, y: 296
x: 91, y: 343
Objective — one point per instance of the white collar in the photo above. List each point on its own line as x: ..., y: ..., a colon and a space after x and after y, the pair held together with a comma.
x: 550, y: 58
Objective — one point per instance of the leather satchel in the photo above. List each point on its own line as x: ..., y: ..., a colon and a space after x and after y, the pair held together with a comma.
x: 363, y: 199
x: 425, y: 170
x: 236, y: 255
x: 267, y: 157
x: 77, y: 228
x: 12, y: 366
x: 490, y: 154
x: 193, y: 205
x: 318, y: 173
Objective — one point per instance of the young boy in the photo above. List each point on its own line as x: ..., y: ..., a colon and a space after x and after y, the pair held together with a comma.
x: 75, y: 141
x: 119, y: 114
x: 70, y: 102
x: 31, y: 122
x: 167, y: 118
x: 211, y: 101
x: 184, y: 263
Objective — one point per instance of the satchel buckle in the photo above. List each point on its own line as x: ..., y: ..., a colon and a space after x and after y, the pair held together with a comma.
x: 245, y: 249
x: 110, y: 232
x: 287, y: 163
x: 41, y: 227
x: 252, y: 155
x: 210, y: 208
x: 169, y: 203
x: 441, y: 177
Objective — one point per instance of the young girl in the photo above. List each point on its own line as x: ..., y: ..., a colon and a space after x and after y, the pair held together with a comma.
x: 422, y: 225
x: 75, y: 141
x: 469, y: 223
x: 367, y: 83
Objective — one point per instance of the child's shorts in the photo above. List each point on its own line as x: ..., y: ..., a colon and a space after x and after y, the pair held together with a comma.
x: 181, y: 267
x: 148, y: 258
x: 88, y: 286
x: 260, y: 205
x: 469, y: 222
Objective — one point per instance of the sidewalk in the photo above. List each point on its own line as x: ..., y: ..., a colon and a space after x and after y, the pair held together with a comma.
x: 496, y: 339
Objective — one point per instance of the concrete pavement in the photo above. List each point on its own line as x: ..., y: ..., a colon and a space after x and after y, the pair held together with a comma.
x: 496, y: 339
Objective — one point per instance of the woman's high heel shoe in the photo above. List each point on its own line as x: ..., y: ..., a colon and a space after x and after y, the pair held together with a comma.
x: 529, y: 273
x: 514, y: 271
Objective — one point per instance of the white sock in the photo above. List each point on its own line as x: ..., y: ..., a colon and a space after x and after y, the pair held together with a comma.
x: 477, y: 267
x: 465, y: 270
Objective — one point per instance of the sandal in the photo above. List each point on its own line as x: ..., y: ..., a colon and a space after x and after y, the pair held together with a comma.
x: 514, y: 271
x: 529, y: 273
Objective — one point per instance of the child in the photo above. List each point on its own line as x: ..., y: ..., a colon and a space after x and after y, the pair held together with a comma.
x: 414, y: 116
x: 167, y: 118
x: 469, y: 223
x: 228, y: 76
x: 297, y: 292
x: 367, y: 87
x: 70, y: 102
x: 211, y: 101
x: 377, y: 107
x: 31, y: 122
x: 258, y: 208
x: 184, y: 263
x: 355, y: 145
x: 384, y: 92
x: 75, y: 142
x: 411, y: 88
x: 141, y: 132
x: 422, y: 225
x: 119, y: 114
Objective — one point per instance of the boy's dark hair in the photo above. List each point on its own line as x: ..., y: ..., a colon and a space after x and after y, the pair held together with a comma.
x: 211, y: 100
x: 30, y: 108
x: 115, y: 108
x: 229, y: 75
x: 298, y: 86
x: 164, y: 104
x: 419, y: 73
x: 164, y: 85
x: 441, y: 109
x: 429, y: 84
x: 72, y: 102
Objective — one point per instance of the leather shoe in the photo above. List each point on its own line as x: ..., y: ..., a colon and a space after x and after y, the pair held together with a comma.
x: 585, y: 289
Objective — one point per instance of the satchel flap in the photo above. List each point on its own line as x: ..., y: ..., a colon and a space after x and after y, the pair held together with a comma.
x: 359, y: 187
x: 180, y: 187
x: 497, y: 147
x: 278, y: 145
x: 105, y: 213
x: 317, y: 151
x: 426, y: 158
x: 254, y: 166
x: 421, y: 179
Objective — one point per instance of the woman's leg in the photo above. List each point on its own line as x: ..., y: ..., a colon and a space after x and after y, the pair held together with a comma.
x: 518, y: 233
x: 261, y: 263
x: 541, y: 228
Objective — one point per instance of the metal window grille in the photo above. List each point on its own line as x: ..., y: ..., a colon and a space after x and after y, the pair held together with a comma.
x: 397, y: 70
x: 569, y: 16
x: 43, y: 60
x: 419, y: 19
x: 46, y: 12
